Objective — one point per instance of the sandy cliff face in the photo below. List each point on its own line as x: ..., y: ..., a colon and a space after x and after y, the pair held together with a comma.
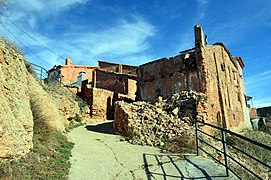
x: 16, y: 121
x: 22, y: 102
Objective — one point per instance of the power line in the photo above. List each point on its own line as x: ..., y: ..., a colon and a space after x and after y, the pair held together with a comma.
x: 23, y: 44
x: 33, y: 37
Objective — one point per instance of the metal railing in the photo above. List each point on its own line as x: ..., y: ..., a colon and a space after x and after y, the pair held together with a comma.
x: 40, y: 72
x: 226, y: 145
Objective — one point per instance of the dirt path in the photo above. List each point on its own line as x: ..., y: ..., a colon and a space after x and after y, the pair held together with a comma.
x: 99, y: 154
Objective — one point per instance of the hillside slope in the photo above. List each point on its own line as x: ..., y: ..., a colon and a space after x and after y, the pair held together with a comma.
x: 23, y: 102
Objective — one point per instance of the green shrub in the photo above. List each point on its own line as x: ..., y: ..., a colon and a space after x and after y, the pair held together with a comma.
x: 75, y: 121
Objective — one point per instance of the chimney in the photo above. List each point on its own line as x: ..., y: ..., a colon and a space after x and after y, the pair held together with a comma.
x: 120, y: 68
x: 199, y: 36
x: 68, y: 61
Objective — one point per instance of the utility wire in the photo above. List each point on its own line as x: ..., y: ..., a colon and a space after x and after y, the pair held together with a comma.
x: 32, y: 37
x: 23, y: 44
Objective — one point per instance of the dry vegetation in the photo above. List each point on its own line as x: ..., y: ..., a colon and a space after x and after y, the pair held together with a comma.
x: 254, y: 150
x: 49, y: 158
x: 247, y: 147
x: 181, y: 144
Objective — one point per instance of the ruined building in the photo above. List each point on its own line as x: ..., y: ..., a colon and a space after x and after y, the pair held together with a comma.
x: 99, y: 86
x: 209, y: 69
x: 70, y: 73
x: 206, y: 69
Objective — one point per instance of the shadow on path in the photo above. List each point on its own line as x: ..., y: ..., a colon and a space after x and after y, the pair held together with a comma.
x: 105, y: 128
x: 173, y: 166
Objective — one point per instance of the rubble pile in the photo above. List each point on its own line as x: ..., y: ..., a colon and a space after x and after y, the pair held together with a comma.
x: 147, y: 124
x: 184, y: 105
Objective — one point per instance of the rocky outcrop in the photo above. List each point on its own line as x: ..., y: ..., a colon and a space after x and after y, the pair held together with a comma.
x: 23, y: 101
x: 16, y: 120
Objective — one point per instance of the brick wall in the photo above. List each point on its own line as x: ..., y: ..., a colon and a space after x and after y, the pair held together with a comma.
x: 70, y: 73
x: 167, y: 76
x: 207, y: 69
x: 118, y: 83
x: 100, y: 102
x: 223, y: 85
x: 121, y: 68
x: 252, y: 113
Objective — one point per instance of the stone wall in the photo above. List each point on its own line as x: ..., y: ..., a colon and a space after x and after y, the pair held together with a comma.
x: 118, y: 83
x: 112, y: 81
x: 252, y: 113
x: 102, y: 105
x: 167, y: 76
x: 132, y: 89
x: 120, y: 68
x: 209, y: 69
x: 100, y: 102
x: 224, y: 87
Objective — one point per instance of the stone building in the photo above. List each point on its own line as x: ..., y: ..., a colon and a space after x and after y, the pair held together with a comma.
x: 110, y: 82
x: 209, y: 69
x: 70, y: 73
x: 100, y: 86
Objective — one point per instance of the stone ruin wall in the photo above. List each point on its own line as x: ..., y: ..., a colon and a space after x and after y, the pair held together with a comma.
x: 112, y: 82
x: 166, y: 77
x: 108, y: 87
x: 225, y: 106
x: 100, y: 102
x: 121, y: 68
x: 132, y: 89
x: 212, y: 71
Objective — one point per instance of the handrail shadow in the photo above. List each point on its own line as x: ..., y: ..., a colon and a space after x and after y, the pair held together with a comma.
x: 181, y: 174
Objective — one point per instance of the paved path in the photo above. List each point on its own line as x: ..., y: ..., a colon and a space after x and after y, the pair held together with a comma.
x: 99, y: 154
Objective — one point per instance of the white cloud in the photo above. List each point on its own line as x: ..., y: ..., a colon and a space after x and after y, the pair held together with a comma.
x: 201, y: 10
x: 45, y: 7
x: 32, y: 11
x: 127, y: 40
x: 122, y: 40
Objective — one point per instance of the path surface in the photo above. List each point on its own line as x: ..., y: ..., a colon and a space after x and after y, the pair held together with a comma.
x: 99, y: 154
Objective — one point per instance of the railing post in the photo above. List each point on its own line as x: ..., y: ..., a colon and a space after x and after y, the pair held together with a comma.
x: 197, y: 134
x: 225, y: 152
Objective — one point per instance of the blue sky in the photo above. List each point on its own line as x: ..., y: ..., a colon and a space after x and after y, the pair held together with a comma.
x: 139, y: 31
